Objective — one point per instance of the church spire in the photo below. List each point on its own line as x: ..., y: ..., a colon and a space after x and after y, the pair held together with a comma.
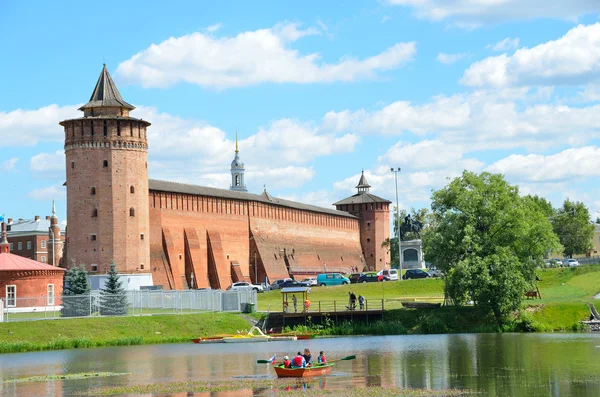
x: 237, y: 170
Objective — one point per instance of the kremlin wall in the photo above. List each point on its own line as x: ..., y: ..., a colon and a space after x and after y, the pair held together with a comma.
x: 190, y: 236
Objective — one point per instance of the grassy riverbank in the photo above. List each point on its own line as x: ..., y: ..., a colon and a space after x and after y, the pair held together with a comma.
x: 115, y: 331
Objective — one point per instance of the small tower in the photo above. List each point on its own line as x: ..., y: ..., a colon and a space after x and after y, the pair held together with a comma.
x: 237, y: 170
x: 4, y: 244
x: 374, y: 215
x: 106, y: 152
x: 55, y: 242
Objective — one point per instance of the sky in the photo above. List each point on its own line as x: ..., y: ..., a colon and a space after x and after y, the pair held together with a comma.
x: 318, y: 91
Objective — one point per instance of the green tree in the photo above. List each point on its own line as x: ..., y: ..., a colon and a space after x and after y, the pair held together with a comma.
x: 113, y: 299
x: 76, y: 293
x: 487, y: 239
x: 572, y: 225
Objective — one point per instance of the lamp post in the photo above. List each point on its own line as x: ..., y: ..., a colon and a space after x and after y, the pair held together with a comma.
x: 396, y: 171
x: 255, y: 270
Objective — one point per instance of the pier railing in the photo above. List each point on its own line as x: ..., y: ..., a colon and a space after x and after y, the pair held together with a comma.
x: 335, y: 306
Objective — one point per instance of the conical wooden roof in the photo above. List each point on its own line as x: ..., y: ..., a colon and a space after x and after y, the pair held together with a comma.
x: 106, y: 94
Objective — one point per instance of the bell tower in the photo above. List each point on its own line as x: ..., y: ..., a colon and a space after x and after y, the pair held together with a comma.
x: 106, y: 152
x: 237, y: 170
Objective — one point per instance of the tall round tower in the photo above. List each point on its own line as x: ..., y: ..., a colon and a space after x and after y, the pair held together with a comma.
x: 107, y: 184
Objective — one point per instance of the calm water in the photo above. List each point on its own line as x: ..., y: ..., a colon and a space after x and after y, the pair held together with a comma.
x: 492, y: 364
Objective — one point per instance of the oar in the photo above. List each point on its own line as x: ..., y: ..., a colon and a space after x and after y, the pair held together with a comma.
x: 263, y: 362
x: 352, y: 357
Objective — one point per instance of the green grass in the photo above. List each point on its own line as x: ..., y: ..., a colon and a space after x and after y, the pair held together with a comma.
x: 115, y: 331
x: 421, y: 289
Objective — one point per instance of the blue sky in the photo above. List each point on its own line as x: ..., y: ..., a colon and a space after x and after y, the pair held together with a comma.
x: 317, y: 91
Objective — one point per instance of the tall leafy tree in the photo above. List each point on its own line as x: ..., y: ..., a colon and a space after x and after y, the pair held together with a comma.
x: 113, y: 298
x: 76, y: 300
x: 572, y: 225
x: 486, y: 237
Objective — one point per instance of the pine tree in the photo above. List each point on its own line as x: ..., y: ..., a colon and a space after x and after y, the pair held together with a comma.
x: 113, y: 299
x: 76, y: 293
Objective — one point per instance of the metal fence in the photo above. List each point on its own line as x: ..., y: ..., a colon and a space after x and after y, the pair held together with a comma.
x: 132, y: 303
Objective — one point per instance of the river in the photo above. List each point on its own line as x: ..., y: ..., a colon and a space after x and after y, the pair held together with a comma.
x: 491, y: 364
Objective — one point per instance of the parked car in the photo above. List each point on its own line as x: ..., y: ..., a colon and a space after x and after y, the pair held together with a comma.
x: 293, y: 283
x: 415, y: 273
x: 277, y: 283
x: 434, y: 272
x: 557, y: 261
x: 354, y: 277
x: 368, y: 277
x: 326, y: 279
x: 572, y: 263
x: 310, y: 281
x: 389, y: 275
x: 243, y: 285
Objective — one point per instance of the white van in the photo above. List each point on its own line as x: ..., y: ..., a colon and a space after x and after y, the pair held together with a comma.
x: 391, y: 274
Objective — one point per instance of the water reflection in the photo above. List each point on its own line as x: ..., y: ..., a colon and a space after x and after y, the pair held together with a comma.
x: 492, y: 364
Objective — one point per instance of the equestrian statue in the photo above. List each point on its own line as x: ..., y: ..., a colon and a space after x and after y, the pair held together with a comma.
x: 409, y: 226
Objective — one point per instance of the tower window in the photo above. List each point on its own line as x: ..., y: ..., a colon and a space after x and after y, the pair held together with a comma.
x: 368, y: 240
x: 94, y: 213
x: 131, y: 132
x: 105, y: 129
x: 94, y: 267
x: 141, y: 236
x: 131, y: 212
x: 141, y: 266
x: 91, y: 127
x: 93, y: 191
x: 93, y: 237
x: 72, y: 164
x: 237, y: 180
x: 131, y: 189
x: 43, y: 244
x: 119, y: 127
x: 105, y: 163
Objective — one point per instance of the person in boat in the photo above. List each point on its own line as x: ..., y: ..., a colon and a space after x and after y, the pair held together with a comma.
x: 287, y: 363
x: 321, y: 359
x: 308, y: 357
x: 299, y: 361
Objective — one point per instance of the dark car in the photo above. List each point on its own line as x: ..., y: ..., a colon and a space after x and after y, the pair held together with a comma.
x: 354, y: 277
x: 369, y: 277
x: 415, y: 273
x: 293, y: 283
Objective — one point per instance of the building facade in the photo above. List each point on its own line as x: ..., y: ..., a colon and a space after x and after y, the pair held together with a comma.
x: 190, y: 236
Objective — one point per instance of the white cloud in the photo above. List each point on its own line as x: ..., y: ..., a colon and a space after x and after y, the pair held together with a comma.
x: 48, y: 165
x: 570, y: 163
x: 572, y: 59
x: 29, y: 127
x: 448, y: 59
x: 479, y: 120
x: 55, y: 192
x: 213, y: 28
x: 506, y: 44
x: 427, y: 155
x: 250, y: 58
x: 471, y: 13
x: 9, y: 164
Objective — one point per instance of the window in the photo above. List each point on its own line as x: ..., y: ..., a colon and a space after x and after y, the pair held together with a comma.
x: 11, y: 296
x: 131, y: 189
x: 105, y: 129
x: 50, y: 294
x: 227, y: 256
x: 43, y: 244
x: 105, y: 164
x: 43, y: 259
x: 368, y: 224
x: 342, y: 258
x: 29, y: 245
x: 368, y: 240
x: 179, y: 256
x: 131, y: 212
x: 94, y: 213
x: 20, y: 246
x: 94, y: 267
x: 131, y: 127
x: 93, y: 237
x: 93, y: 191
x: 141, y: 266
x: 72, y: 164
x: 91, y: 128
x: 237, y: 180
x: 141, y: 236
x: 119, y: 127
x: 11, y: 246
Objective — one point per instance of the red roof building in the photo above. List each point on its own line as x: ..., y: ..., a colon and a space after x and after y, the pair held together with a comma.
x: 25, y: 283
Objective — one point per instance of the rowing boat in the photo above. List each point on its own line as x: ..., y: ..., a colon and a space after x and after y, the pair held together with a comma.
x: 315, y: 370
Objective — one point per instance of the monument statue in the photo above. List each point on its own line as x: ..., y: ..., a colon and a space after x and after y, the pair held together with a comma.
x: 410, y: 225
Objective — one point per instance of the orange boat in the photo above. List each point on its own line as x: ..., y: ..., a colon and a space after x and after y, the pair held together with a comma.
x: 316, y: 370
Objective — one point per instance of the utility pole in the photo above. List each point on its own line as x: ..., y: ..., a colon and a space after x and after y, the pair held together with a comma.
x: 396, y: 171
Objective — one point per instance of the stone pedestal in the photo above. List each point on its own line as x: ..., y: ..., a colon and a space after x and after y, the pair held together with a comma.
x: 412, y: 254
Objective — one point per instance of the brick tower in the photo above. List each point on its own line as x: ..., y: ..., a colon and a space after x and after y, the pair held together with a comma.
x: 107, y: 184
x: 55, y: 244
x: 374, y: 215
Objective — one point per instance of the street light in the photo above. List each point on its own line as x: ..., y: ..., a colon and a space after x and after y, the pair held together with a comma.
x: 396, y: 171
